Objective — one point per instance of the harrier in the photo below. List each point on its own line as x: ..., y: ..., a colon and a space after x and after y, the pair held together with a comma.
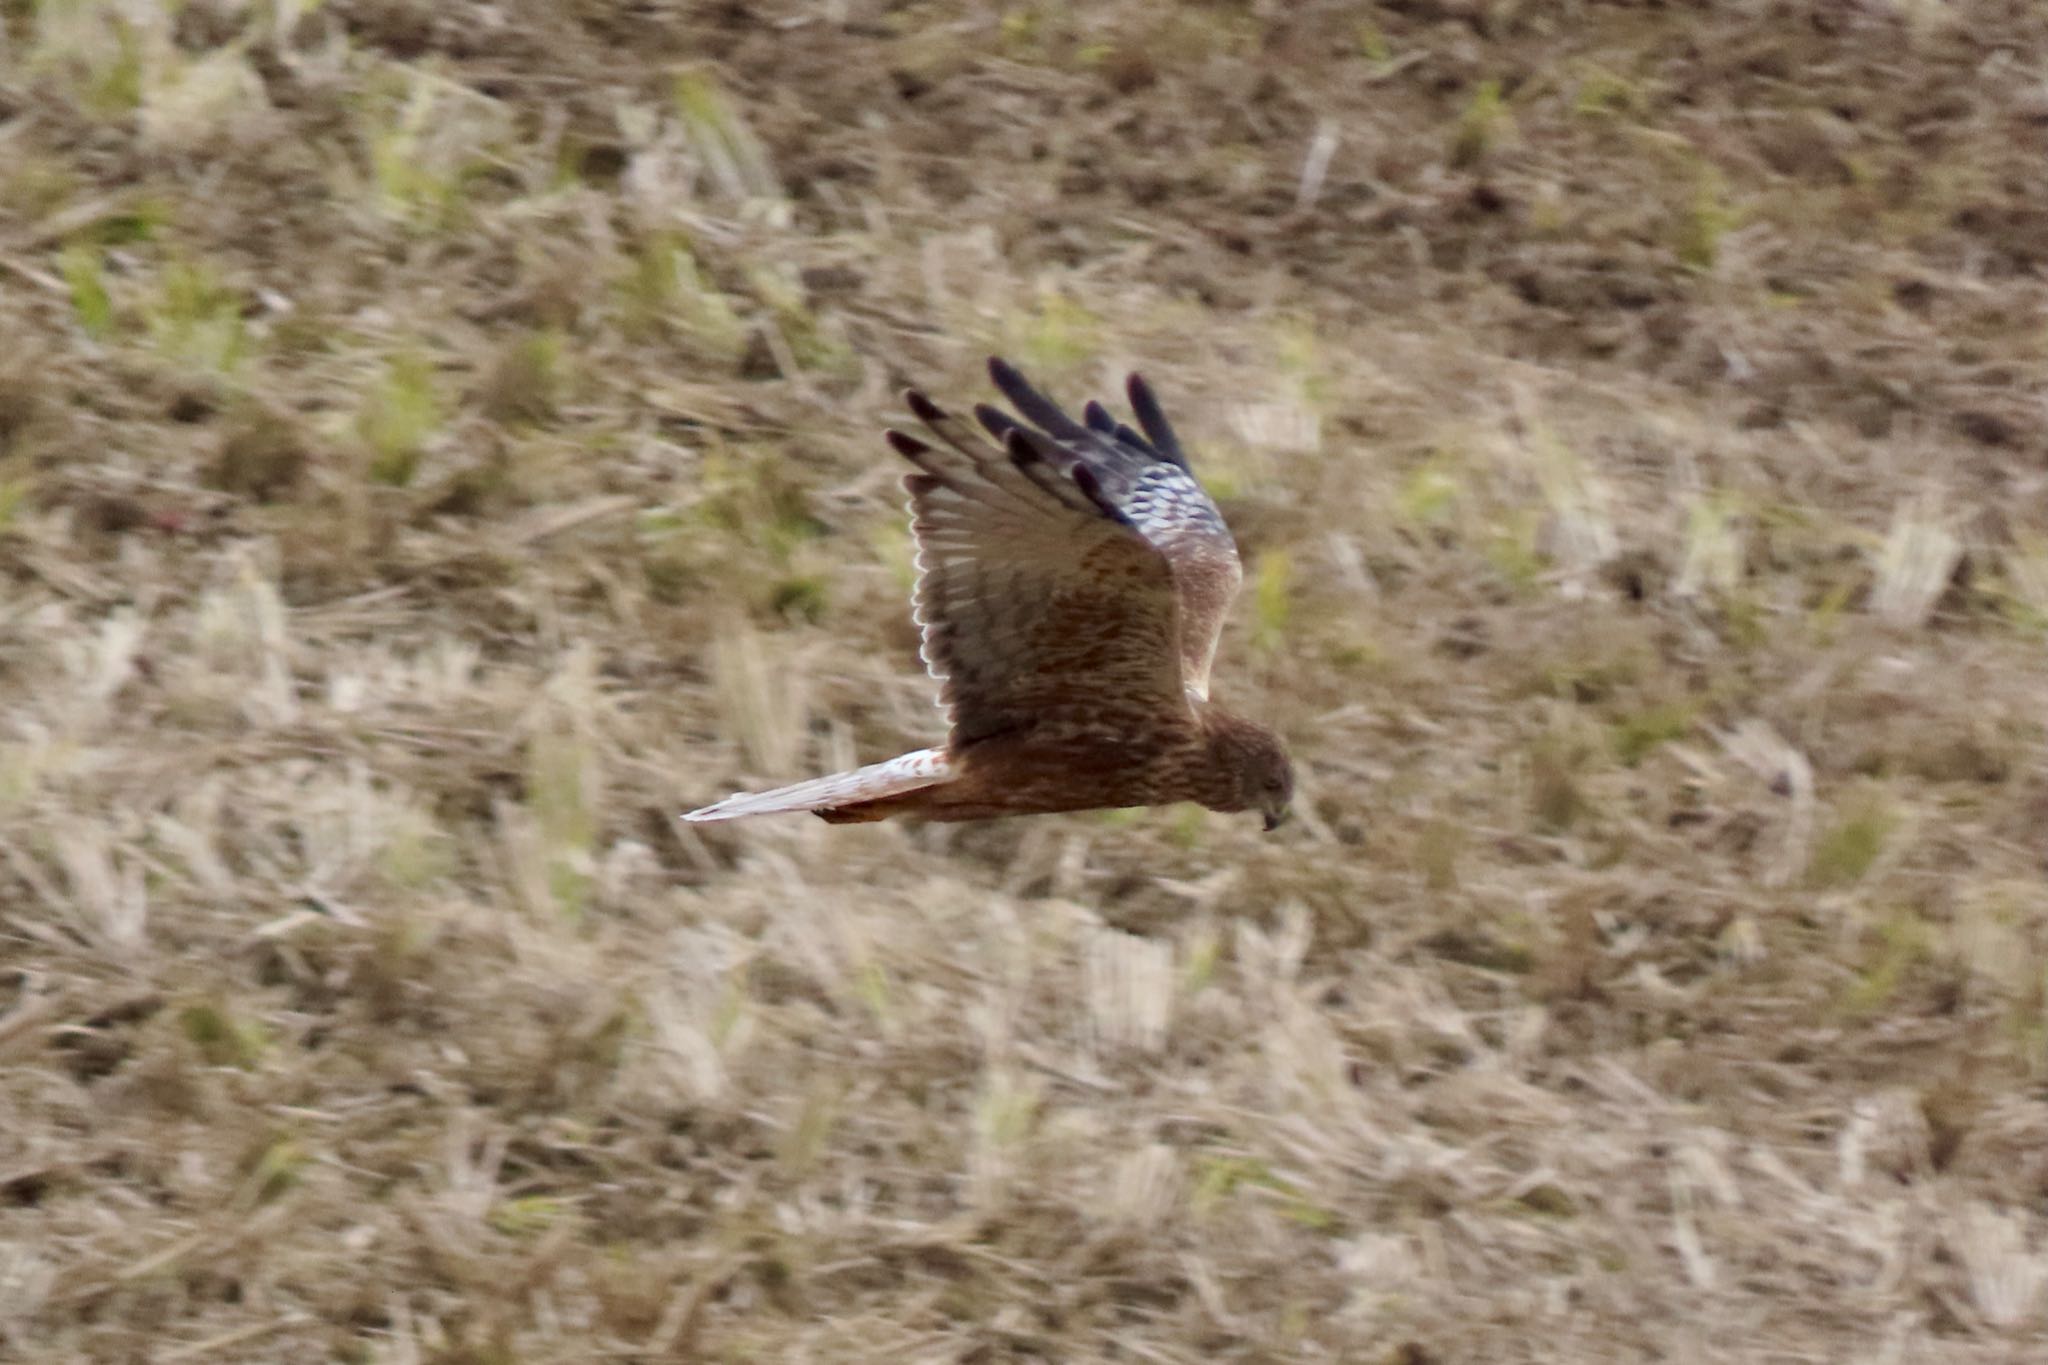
x: 1072, y: 582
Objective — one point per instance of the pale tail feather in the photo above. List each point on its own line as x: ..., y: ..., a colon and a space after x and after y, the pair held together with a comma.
x: 905, y: 773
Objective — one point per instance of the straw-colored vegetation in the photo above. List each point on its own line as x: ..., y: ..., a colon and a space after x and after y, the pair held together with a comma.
x: 439, y: 443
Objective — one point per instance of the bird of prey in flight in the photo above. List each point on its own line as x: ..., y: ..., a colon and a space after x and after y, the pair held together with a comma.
x: 1072, y: 582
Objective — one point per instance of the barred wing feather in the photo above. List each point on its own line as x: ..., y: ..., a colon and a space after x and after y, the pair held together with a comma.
x: 1146, y: 482
x: 1034, y: 599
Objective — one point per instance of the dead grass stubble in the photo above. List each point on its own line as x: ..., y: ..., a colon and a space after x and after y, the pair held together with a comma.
x: 438, y: 444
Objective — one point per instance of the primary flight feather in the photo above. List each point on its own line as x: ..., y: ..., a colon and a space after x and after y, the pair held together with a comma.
x: 1072, y: 583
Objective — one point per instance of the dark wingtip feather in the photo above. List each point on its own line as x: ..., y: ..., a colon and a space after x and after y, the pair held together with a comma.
x: 1037, y: 455
x: 1014, y: 386
x: 1145, y: 404
x: 1033, y: 406
x: 997, y: 422
x: 1022, y: 446
x: 1099, y: 419
x: 923, y: 407
x: 1007, y: 378
x: 909, y: 447
x: 1135, y: 441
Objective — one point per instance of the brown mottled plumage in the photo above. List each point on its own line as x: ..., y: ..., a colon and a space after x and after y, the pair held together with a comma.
x: 1072, y: 583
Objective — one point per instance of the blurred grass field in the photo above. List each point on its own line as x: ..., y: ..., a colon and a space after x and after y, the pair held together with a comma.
x: 439, y: 443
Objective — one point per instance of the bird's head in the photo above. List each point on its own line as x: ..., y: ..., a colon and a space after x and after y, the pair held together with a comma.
x: 1251, y: 768
x: 1276, y: 789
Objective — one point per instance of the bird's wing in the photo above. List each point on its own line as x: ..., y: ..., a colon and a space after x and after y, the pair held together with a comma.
x: 1038, y: 594
x: 897, y: 777
x: 1146, y: 481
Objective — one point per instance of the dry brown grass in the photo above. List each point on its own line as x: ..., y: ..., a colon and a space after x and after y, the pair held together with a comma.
x: 438, y: 443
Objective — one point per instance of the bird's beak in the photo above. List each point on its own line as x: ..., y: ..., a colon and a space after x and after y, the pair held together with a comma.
x: 1277, y: 818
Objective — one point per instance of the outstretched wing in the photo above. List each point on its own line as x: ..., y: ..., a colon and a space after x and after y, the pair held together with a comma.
x: 1037, y: 597
x: 1146, y: 481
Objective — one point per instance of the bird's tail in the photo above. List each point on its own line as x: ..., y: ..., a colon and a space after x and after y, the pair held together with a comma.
x: 904, y: 773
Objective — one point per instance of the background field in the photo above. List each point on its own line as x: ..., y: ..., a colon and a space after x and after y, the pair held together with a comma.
x: 439, y: 443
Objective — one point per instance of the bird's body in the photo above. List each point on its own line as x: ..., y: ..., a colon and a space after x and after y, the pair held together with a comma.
x: 1072, y: 583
